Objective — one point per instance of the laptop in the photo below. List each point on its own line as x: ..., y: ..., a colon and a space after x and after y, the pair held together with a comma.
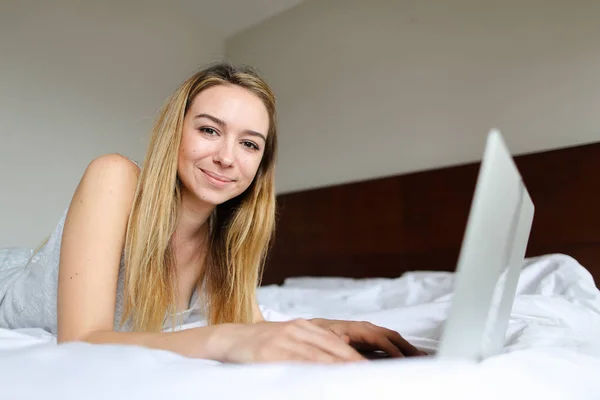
x: 490, y: 260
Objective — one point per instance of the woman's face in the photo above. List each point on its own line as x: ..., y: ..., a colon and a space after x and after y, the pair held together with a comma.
x: 223, y: 140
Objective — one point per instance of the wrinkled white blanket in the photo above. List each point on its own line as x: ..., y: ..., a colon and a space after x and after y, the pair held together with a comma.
x: 552, y: 348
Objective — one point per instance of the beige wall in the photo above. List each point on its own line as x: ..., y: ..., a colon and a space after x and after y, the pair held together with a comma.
x: 79, y: 79
x: 365, y: 88
x: 374, y: 88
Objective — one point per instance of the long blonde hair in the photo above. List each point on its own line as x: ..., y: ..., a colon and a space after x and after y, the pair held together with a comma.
x: 240, y: 229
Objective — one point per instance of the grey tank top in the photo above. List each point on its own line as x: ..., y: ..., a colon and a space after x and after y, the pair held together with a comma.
x: 28, y: 288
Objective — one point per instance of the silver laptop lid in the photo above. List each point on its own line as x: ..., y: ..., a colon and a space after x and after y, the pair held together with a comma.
x: 491, y: 258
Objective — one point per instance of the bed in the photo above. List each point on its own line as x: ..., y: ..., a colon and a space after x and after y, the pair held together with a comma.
x: 381, y: 250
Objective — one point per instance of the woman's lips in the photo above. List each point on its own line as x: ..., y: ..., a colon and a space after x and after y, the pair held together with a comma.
x: 216, y: 179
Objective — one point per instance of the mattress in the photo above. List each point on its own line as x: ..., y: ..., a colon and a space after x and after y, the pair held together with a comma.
x: 552, y: 347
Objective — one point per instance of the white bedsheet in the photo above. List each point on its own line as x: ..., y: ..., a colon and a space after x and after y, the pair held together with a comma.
x: 552, y: 349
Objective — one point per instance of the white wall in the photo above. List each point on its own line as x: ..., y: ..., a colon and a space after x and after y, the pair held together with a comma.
x: 79, y: 79
x: 375, y: 88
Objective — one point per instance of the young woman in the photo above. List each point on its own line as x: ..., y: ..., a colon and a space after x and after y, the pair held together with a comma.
x: 180, y: 240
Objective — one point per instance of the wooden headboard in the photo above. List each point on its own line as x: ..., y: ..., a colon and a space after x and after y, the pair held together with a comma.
x: 384, y: 227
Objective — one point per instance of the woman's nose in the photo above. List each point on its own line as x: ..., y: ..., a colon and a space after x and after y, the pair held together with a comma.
x: 225, y: 155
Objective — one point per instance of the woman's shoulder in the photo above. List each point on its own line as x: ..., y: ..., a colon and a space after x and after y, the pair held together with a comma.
x: 111, y: 172
x: 109, y: 181
x: 113, y: 163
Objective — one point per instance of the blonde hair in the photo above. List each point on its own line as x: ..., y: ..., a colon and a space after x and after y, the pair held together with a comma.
x: 240, y: 229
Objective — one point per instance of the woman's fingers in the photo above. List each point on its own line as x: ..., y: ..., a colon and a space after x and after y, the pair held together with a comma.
x: 376, y: 338
x: 326, y: 340
x: 383, y: 343
x: 388, y: 340
x: 405, y: 347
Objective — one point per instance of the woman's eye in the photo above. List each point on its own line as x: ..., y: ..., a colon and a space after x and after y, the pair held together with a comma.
x: 250, y: 145
x: 208, y: 131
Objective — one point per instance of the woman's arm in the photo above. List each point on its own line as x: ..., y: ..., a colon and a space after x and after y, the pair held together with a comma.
x: 196, y: 342
x: 297, y: 340
x: 92, y: 245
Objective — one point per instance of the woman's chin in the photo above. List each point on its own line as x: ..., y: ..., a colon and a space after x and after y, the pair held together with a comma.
x: 213, y: 199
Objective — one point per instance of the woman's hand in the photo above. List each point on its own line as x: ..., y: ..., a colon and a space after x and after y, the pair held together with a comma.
x: 297, y: 340
x: 368, y: 337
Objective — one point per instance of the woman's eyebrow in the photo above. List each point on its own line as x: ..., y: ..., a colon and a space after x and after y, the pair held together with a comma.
x: 222, y: 123
x: 212, y: 118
